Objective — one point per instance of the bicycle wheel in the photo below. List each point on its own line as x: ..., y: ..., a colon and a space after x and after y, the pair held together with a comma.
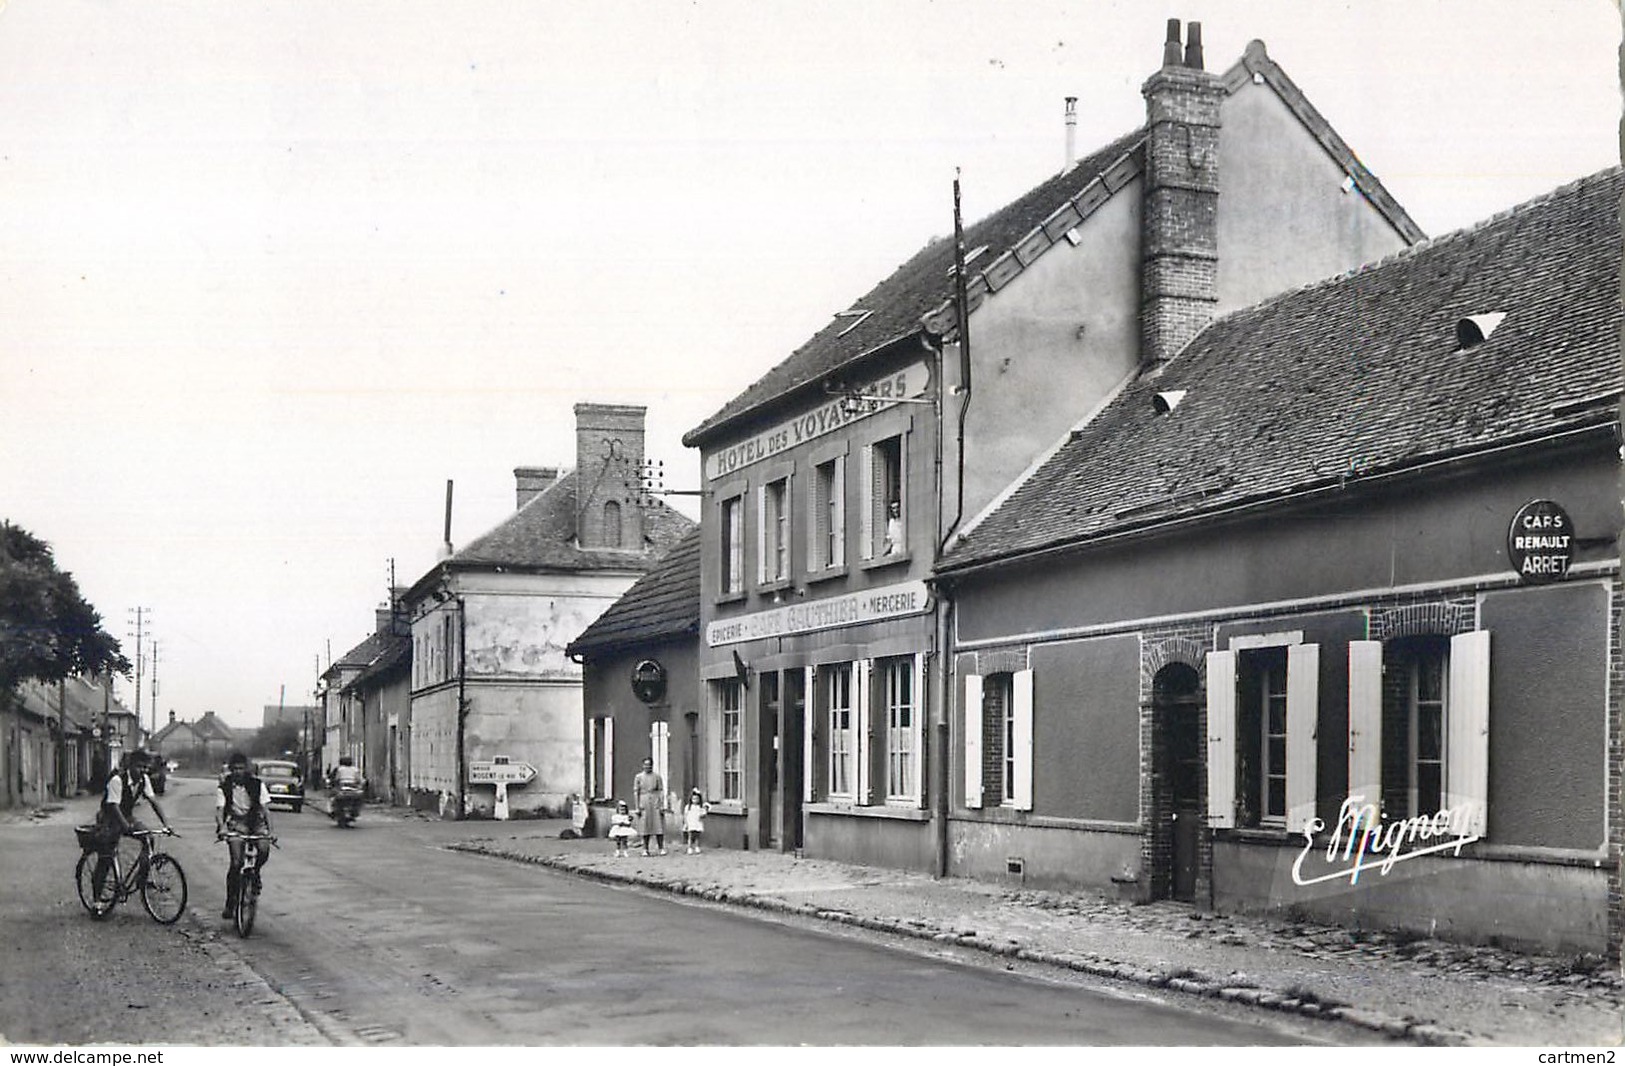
x: 248, y: 899
x: 163, y: 891
x: 85, y: 876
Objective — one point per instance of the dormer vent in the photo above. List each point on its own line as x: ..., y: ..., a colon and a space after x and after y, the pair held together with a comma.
x: 1164, y: 402
x: 1476, y: 329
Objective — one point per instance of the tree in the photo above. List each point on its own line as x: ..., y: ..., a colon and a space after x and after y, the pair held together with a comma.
x: 272, y: 741
x: 47, y: 630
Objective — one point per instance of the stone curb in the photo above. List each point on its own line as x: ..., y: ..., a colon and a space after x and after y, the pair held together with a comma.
x: 1425, y: 1033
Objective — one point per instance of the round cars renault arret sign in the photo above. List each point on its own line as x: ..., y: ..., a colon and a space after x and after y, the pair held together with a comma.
x: 649, y: 681
x: 1540, y: 542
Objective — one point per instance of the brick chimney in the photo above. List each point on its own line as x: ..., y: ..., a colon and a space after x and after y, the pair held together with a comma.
x: 609, y: 465
x: 532, y: 481
x: 1178, y: 288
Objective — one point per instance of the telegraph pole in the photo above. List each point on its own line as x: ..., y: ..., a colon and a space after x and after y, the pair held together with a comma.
x: 154, y: 644
x: 140, y: 616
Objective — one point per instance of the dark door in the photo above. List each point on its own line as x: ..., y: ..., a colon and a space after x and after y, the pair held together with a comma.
x: 768, y: 757
x: 791, y: 759
x: 1178, y: 715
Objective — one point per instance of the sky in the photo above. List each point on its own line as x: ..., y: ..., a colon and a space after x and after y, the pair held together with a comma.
x: 274, y: 272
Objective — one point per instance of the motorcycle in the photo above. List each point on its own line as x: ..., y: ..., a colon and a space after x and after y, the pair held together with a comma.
x: 346, y: 805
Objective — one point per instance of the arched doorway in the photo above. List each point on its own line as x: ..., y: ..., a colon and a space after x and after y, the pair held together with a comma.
x: 1176, y: 709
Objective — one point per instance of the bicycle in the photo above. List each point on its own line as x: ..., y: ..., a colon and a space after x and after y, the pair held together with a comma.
x: 248, y: 880
x: 155, y: 874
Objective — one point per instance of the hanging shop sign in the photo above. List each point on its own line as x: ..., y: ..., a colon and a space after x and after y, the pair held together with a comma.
x: 856, y: 608
x: 1540, y: 542
x: 908, y: 382
x: 649, y: 681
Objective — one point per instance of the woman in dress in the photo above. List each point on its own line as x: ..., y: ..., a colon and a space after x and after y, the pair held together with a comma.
x: 649, y: 796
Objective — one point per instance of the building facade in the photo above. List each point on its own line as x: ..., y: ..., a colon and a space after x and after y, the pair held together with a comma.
x: 491, y: 684
x: 1321, y: 617
x: 835, y: 478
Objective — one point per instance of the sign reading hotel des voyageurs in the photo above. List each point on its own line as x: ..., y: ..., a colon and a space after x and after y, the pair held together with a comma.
x: 1540, y: 541
x: 855, y: 608
x: 908, y: 382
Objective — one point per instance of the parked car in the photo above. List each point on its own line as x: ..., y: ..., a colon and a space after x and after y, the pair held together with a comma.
x: 282, y: 780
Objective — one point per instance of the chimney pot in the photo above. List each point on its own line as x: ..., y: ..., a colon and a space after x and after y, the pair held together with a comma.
x: 531, y: 481
x: 1170, y: 45
x: 1071, y: 131
x: 1193, y: 46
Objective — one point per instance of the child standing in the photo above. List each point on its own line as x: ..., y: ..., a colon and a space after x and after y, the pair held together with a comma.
x: 620, y: 828
x: 694, y: 812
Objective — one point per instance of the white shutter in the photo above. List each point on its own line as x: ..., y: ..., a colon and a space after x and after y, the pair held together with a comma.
x: 1302, y: 728
x: 861, y: 717
x: 1021, y: 689
x: 1221, y: 739
x: 973, y: 740
x: 817, y: 516
x: 917, y: 786
x: 838, y: 515
x: 866, y: 502
x: 1467, y: 728
x: 659, y: 749
x: 761, y: 534
x: 809, y: 716
x: 1365, y: 721
x: 712, y: 744
x: 609, y: 757
x: 592, y: 759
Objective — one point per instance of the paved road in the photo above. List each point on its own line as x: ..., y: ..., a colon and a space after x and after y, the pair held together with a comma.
x: 377, y: 935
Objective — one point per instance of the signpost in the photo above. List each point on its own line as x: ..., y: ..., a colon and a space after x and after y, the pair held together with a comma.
x: 1540, y: 542
x: 499, y: 771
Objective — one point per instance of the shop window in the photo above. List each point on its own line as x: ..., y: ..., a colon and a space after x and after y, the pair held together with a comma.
x: 883, y: 518
x: 773, y: 532
x: 998, y: 740
x: 900, y: 681
x: 828, y: 525
x: 733, y: 546
x: 836, y: 685
x: 730, y: 746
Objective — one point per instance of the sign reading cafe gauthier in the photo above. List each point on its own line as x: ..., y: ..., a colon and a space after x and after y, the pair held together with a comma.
x: 908, y: 382
x: 855, y: 608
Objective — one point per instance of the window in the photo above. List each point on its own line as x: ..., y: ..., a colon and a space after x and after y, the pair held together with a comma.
x: 733, y: 546
x: 773, y: 533
x: 837, y: 686
x: 731, y: 740
x: 1424, y: 704
x: 1263, y: 709
x: 883, y: 522
x: 828, y: 524
x: 612, y: 524
x: 999, y: 740
x: 900, y: 679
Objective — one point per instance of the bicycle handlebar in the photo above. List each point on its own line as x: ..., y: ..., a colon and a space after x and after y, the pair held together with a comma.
x: 249, y: 836
x: 164, y: 832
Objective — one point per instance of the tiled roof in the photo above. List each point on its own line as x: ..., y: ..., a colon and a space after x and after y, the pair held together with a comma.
x: 1350, y: 377
x: 394, y: 652
x: 663, y: 604
x: 359, y: 656
x: 541, y: 535
x: 923, y: 284
x: 918, y: 294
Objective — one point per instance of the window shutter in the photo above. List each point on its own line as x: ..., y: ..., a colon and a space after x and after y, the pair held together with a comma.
x: 1302, y: 728
x: 659, y: 749
x: 973, y: 740
x: 918, y: 784
x: 1221, y: 739
x: 761, y: 534
x: 818, y: 522
x: 713, y: 740
x: 1365, y: 721
x: 861, y: 721
x: 809, y: 716
x: 592, y: 759
x: 609, y: 757
x: 866, y: 502
x: 1467, y: 728
x: 1021, y: 689
x: 838, y: 515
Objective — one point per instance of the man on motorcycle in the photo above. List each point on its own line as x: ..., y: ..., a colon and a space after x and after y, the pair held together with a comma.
x: 347, y: 788
x: 242, y: 804
x: 125, y: 788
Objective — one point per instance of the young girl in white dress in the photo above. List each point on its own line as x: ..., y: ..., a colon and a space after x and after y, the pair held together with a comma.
x: 694, y: 812
x: 620, y: 828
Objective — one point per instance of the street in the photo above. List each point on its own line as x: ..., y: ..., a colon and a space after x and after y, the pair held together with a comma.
x: 377, y: 935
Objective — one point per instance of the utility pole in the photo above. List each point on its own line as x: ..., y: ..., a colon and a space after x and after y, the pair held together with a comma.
x: 140, y: 615
x: 154, y: 643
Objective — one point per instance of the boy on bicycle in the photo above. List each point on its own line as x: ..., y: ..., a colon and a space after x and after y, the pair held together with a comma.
x: 125, y: 788
x: 241, y: 805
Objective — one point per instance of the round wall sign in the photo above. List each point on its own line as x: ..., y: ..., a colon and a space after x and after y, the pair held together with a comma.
x: 649, y: 681
x: 1540, y: 541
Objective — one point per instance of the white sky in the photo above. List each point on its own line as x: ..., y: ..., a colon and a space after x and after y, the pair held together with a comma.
x: 273, y: 272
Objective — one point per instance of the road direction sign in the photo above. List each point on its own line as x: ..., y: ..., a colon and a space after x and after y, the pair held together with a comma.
x: 499, y: 771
